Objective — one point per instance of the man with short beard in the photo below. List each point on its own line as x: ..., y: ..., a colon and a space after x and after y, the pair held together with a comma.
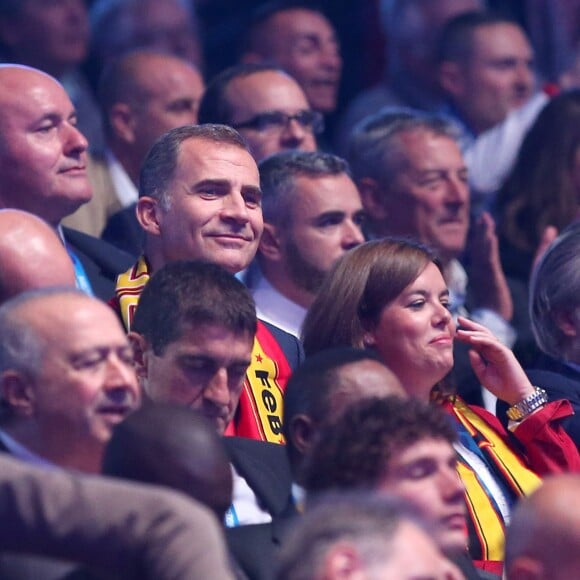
x: 312, y: 215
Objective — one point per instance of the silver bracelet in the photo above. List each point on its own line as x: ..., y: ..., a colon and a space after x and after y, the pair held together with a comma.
x: 522, y: 409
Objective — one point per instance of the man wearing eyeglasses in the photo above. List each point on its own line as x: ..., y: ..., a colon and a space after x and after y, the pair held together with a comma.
x: 266, y: 106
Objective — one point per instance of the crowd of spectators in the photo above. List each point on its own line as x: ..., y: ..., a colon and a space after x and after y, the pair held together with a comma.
x: 289, y: 290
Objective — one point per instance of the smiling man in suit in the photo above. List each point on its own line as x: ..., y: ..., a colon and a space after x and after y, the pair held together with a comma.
x: 200, y: 199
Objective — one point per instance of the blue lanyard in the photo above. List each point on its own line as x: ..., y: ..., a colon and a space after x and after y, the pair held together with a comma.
x: 470, y: 443
x: 81, y: 277
x: 231, y: 519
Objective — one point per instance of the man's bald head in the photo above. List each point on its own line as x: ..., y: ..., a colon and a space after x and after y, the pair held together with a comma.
x: 543, y: 540
x: 144, y: 94
x: 43, y: 155
x: 31, y: 255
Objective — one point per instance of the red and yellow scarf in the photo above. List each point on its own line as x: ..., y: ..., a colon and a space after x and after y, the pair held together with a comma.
x: 486, y: 525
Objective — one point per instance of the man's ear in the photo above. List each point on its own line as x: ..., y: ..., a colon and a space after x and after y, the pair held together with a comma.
x: 270, y: 244
x: 372, y: 198
x: 301, y: 432
x: 451, y: 78
x: 565, y: 321
x: 140, y: 348
x: 342, y: 561
x: 148, y: 215
x: 17, y: 392
x: 122, y: 122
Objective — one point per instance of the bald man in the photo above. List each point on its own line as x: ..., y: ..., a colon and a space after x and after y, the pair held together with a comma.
x: 27, y: 245
x: 66, y: 378
x: 543, y: 540
x: 43, y: 169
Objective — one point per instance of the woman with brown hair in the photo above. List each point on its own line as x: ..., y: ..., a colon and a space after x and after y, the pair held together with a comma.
x: 390, y: 295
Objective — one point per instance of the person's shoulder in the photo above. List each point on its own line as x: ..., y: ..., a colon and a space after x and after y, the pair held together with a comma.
x: 270, y: 457
x: 124, y: 232
x: 287, y: 342
x: 255, y: 447
x: 101, y: 261
x: 101, y: 251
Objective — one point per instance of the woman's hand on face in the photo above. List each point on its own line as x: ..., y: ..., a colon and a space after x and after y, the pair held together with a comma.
x: 494, y: 364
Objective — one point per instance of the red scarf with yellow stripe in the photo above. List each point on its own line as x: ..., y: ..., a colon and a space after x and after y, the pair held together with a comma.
x: 486, y: 524
x: 259, y: 414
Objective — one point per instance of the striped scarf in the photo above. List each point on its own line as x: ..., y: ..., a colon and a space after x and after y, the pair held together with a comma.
x: 485, y: 522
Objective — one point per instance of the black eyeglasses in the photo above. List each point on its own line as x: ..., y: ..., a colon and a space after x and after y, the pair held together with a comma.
x: 277, y: 120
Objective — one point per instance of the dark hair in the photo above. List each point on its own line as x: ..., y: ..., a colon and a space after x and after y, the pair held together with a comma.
x: 354, y: 451
x: 192, y: 293
x: 255, y: 31
x: 173, y: 446
x: 540, y: 190
x: 279, y: 172
x: 455, y: 42
x: 159, y: 166
x: 359, y: 286
x: 312, y: 385
x: 215, y: 106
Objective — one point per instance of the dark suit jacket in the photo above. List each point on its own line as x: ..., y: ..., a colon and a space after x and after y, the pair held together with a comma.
x: 465, y: 564
x: 102, y: 261
x: 291, y: 346
x: 560, y: 382
x: 266, y: 469
x: 255, y: 548
x: 124, y: 231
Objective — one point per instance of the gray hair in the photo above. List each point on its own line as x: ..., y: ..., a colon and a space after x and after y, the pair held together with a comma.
x: 367, y: 521
x: 279, y: 172
x: 159, y: 166
x: 374, y: 148
x: 21, y: 347
x: 555, y: 289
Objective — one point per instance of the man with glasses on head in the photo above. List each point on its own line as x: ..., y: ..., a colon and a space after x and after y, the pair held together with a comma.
x: 265, y: 105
